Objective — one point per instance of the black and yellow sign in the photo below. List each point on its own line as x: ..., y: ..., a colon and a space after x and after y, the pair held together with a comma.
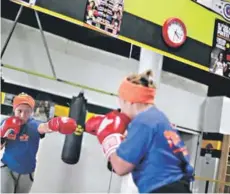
x: 211, y: 144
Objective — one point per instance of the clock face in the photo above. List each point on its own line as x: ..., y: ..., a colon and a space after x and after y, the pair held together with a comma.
x: 176, y: 32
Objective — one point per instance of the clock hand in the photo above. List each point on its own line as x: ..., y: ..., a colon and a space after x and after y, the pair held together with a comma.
x: 174, y: 35
x: 179, y: 35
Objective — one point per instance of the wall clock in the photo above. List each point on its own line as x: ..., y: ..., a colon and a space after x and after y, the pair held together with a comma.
x: 174, y: 32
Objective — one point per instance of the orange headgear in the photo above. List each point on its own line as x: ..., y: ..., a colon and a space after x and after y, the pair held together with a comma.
x: 23, y: 99
x: 136, y: 93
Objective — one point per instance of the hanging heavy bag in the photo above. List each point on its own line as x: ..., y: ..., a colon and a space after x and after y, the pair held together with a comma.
x: 72, y: 144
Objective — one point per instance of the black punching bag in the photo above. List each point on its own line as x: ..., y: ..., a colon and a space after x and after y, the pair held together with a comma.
x: 72, y: 145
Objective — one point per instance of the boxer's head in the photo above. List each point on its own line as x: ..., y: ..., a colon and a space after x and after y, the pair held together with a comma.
x: 23, y: 106
x: 136, y: 93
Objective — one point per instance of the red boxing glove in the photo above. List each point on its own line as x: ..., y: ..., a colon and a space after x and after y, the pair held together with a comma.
x: 110, y: 131
x: 64, y: 125
x: 11, y: 126
x: 92, y: 124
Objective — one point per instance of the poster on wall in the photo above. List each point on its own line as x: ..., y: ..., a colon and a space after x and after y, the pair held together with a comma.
x: 43, y: 111
x: 105, y: 15
x: 220, y: 7
x: 220, y: 55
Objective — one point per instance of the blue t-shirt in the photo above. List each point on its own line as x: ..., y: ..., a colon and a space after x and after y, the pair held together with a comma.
x: 21, y: 149
x: 155, y: 148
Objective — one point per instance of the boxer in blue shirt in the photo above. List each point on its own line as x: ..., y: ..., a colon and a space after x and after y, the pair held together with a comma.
x: 20, y: 135
x: 152, y: 149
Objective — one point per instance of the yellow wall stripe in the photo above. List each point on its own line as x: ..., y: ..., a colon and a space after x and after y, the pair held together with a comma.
x: 69, y: 19
x: 89, y: 115
x: 2, y: 97
x: 61, y: 111
x: 211, y: 180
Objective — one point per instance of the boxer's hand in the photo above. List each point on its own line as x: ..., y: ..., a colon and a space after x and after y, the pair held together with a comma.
x: 64, y: 125
x: 92, y: 124
x: 110, y: 131
x: 125, y: 134
x: 10, y: 126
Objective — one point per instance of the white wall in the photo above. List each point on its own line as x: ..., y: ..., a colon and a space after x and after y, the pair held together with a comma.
x: 217, y: 114
x: 94, y: 68
x: 184, y: 84
x: 183, y: 108
x: 225, y: 115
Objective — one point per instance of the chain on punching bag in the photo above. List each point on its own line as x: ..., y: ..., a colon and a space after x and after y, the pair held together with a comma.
x: 72, y: 145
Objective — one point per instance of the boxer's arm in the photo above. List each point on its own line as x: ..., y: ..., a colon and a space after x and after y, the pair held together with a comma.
x: 120, y: 166
x: 43, y: 128
x: 132, y: 149
x: 64, y: 125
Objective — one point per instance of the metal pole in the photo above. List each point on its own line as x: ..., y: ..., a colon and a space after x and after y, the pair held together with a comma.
x: 11, y: 31
x: 200, y: 136
x: 130, y: 51
x: 110, y: 167
x: 45, y: 44
x: 110, y: 181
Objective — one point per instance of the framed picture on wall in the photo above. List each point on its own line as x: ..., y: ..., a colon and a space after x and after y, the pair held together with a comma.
x: 220, y: 55
x: 105, y: 15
